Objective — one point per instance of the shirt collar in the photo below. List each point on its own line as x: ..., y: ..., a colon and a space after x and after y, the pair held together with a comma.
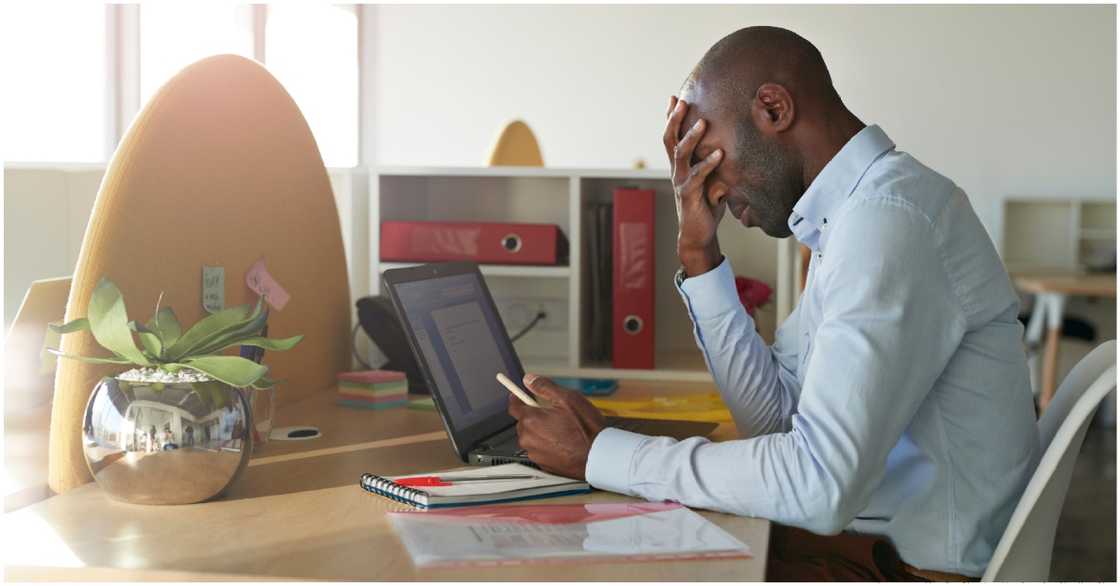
x: 835, y: 183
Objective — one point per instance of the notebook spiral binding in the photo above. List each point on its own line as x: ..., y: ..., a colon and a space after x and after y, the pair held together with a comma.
x: 384, y: 487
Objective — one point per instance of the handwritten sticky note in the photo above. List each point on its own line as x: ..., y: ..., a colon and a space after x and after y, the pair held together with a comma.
x: 213, y: 288
x: 262, y: 283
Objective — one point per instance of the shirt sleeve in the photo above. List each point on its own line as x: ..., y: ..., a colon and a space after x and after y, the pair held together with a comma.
x: 758, y: 388
x: 889, y: 325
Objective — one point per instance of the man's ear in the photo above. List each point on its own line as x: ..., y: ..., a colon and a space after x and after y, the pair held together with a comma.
x: 716, y: 191
x: 772, y: 109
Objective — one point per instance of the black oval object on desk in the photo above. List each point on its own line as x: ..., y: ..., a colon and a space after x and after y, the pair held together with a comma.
x: 297, y: 432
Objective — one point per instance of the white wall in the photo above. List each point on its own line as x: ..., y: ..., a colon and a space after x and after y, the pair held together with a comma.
x: 1002, y: 99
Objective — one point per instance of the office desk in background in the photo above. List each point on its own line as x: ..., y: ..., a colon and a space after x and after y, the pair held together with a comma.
x: 298, y: 512
x: 1051, y: 293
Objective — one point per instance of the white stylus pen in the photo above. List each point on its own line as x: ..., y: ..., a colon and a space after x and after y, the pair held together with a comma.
x: 513, y: 388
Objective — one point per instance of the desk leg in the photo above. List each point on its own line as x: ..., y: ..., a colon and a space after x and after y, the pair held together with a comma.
x: 1055, y: 307
x: 1049, y: 368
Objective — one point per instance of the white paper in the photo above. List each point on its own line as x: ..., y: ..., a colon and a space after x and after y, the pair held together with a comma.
x: 502, y: 535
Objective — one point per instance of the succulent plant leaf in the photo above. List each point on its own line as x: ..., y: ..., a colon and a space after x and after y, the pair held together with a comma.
x: 270, y: 344
x: 108, y: 321
x: 202, y: 332
x: 265, y: 383
x: 74, y: 326
x: 232, y: 370
x: 150, y: 343
x: 153, y: 347
x: 235, y: 337
x: 163, y: 343
x: 166, y: 326
x: 89, y: 359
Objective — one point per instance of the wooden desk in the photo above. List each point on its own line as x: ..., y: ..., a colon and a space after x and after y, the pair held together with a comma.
x: 298, y: 513
x: 1051, y: 292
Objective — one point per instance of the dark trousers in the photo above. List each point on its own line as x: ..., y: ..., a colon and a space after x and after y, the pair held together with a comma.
x: 797, y: 555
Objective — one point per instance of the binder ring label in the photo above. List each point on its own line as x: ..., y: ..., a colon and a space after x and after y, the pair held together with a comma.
x: 511, y: 243
x: 632, y: 324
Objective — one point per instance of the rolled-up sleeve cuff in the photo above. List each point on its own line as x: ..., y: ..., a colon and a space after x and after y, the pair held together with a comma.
x: 608, y: 464
x: 711, y: 294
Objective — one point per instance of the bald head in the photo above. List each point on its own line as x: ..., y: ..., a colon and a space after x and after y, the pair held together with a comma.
x: 735, y: 67
x: 769, y: 106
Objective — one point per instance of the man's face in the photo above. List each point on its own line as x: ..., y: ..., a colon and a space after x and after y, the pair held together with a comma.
x: 758, y: 179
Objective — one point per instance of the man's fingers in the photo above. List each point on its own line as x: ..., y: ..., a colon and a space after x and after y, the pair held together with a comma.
x: 689, y: 140
x: 701, y: 170
x: 682, y: 154
x: 673, y: 126
x: 516, y: 407
x: 672, y: 104
x: 544, y: 388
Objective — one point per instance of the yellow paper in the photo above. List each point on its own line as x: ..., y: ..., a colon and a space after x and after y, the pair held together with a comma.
x: 691, y: 407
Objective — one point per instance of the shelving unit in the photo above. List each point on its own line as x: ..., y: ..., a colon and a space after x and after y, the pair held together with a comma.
x: 1053, y: 235
x: 558, y: 196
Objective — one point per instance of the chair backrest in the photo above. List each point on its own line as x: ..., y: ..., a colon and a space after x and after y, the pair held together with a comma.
x: 516, y: 145
x: 1024, y: 551
x: 219, y: 168
x: 1085, y: 373
x: 28, y: 375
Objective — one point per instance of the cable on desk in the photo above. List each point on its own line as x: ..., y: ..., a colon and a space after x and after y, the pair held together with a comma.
x: 540, y: 315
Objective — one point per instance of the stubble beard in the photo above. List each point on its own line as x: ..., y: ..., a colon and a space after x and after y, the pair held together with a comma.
x: 776, y: 177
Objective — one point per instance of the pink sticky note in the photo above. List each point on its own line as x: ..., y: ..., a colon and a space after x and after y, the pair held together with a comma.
x: 262, y: 283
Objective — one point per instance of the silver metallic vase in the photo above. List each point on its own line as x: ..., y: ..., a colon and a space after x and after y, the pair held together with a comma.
x: 166, y: 443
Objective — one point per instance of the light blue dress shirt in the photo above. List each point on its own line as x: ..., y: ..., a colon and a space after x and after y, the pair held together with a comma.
x: 895, y: 399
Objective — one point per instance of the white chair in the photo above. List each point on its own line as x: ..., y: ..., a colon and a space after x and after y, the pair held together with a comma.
x: 1024, y: 551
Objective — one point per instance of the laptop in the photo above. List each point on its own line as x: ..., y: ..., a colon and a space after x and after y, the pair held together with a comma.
x: 460, y: 343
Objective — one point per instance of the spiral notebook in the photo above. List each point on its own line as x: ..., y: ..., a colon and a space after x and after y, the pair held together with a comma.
x: 475, y: 486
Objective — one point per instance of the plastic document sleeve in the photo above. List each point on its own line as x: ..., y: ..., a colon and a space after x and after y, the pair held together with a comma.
x: 579, y: 533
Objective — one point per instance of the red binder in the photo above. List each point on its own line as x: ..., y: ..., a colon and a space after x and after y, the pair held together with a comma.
x: 632, y: 343
x: 482, y: 242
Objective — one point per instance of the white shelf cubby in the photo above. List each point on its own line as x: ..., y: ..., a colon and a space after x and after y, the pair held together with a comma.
x: 558, y: 196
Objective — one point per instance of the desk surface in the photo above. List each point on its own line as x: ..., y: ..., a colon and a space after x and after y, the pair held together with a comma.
x: 1093, y: 285
x: 298, y: 513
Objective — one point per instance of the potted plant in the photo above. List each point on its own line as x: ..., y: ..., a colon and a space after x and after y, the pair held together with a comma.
x: 175, y: 428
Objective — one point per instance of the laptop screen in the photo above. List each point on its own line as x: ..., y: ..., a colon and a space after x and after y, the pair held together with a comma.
x: 463, y: 342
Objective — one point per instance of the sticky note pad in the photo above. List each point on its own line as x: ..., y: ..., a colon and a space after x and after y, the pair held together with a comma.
x: 264, y: 284
x: 213, y: 288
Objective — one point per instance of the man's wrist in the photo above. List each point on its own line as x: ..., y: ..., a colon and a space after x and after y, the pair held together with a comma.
x: 698, y: 262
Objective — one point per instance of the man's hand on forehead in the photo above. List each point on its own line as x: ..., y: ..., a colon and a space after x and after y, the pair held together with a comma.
x: 697, y: 217
x: 691, y: 116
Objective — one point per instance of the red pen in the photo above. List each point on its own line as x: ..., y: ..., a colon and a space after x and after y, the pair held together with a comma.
x: 450, y: 480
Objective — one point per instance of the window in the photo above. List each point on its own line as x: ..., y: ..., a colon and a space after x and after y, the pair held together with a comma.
x: 64, y: 94
x: 313, y: 50
x: 55, y: 86
x: 174, y: 35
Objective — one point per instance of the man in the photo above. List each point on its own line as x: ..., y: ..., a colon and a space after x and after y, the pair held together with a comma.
x: 893, y: 410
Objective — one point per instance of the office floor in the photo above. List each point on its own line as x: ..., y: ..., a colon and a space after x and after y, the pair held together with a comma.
x: 1085, y: 545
